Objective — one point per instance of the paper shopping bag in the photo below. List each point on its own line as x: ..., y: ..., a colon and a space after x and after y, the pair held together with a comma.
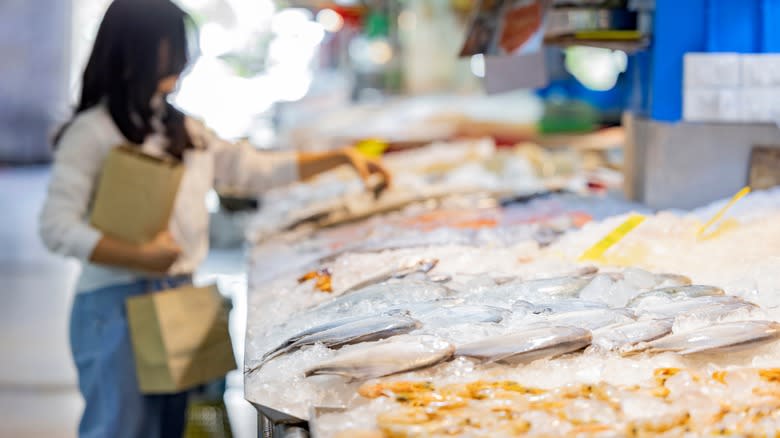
x: 180, y: 338
x: 135, y: 195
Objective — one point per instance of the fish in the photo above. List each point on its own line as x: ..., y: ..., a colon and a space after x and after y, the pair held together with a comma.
x: 523, y: 308
x: 527, y: 345
x: 565, y: 305
x: 454, y: 314
x: 534, y: 290
x: 422, y: 307
x: 313, y: 330
x: 678, y: 292
x: 721, y: 337
x: 663, y: 307
x: 624, y: 335
x: 557, y: 286
x: 590, y: 319
x: 672, y: 280
x: 385, y: 294
x: 348, y: 331
x: 423, y: 266
x: 645, y: 280
x: 440, y: 278
x: 502, y: 280
x: 712, y: 312
x: 384, y: 358
x: 585, y: 271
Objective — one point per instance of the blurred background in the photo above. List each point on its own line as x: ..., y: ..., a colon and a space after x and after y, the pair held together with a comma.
x: 317, y: 74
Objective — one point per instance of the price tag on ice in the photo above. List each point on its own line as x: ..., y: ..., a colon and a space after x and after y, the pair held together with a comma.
x: 703, y: 230
x: 595, y: 252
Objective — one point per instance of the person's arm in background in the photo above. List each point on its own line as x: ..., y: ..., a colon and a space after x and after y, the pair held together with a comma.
x: 313, y: 163
x: 241, y: 167
x: 63, y: 226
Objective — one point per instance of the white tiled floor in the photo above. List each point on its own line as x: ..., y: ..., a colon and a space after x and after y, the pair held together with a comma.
x: 38, y: 396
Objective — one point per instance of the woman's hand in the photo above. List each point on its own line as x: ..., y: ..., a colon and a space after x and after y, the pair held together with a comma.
x: 155, y: 257
x: 160, y: 254
x: 313, y: 163
x: 367, y: 167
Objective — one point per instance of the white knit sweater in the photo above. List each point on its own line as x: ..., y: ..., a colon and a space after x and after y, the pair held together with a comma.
x: 64, y: 225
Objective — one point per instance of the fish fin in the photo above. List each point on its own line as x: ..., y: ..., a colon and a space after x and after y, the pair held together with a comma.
x: 326, y: 372
x: 279, y: 352
x: 282, y: 348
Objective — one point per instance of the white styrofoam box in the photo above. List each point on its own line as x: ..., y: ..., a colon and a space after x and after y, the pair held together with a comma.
x: 760, y: 104
x: 700, y: 105
x: 712, y: 105
x: 712, y: 70
x: 761, y: 70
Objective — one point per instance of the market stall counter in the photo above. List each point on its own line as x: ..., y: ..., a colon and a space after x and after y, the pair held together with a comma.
x: 484, y: 337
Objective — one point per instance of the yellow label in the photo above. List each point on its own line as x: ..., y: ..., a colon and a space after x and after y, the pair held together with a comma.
x: 372, y: 147
x: 702, y: 233
x: 595, y: 252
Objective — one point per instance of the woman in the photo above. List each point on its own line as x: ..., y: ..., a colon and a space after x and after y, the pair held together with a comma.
x: 139, y: 53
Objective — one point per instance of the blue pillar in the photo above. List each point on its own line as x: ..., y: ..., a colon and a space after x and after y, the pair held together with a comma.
x: 734, y: 25
x: 770, y: 26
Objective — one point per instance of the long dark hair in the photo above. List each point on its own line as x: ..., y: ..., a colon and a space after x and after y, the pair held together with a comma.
x: 139, y: 43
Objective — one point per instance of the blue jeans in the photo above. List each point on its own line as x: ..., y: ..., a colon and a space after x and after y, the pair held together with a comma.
x: 100, y: 342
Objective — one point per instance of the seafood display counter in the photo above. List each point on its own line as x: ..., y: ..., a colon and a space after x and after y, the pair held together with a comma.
x: 468, y: 318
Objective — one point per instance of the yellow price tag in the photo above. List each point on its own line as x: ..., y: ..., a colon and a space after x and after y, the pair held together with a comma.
x: 595, y: 252
x: 372, y: 147
x: 703, y: 230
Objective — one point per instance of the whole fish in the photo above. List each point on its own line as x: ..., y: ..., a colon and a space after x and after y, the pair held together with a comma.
x: 565, y: 305
x: 722, y: 337
x: 678, y: 292
x: 556, y: 287
x: 645, y: 280
x: 423, y: 265
x: 663, y: 307
x: 527, y: 345
x: 348, y: 331
x: 313, y: 330
x: 590, y: 319
x: 534, y: 290
x: 624, y: 335
x: 712, y: 312
x: 454, y: 314
x: 421, y: 308
x: 384, y: 358
x: 384, y: 295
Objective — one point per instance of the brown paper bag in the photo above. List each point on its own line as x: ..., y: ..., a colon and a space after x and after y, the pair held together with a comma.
x: 180, y: 338
x: 135, y: 195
